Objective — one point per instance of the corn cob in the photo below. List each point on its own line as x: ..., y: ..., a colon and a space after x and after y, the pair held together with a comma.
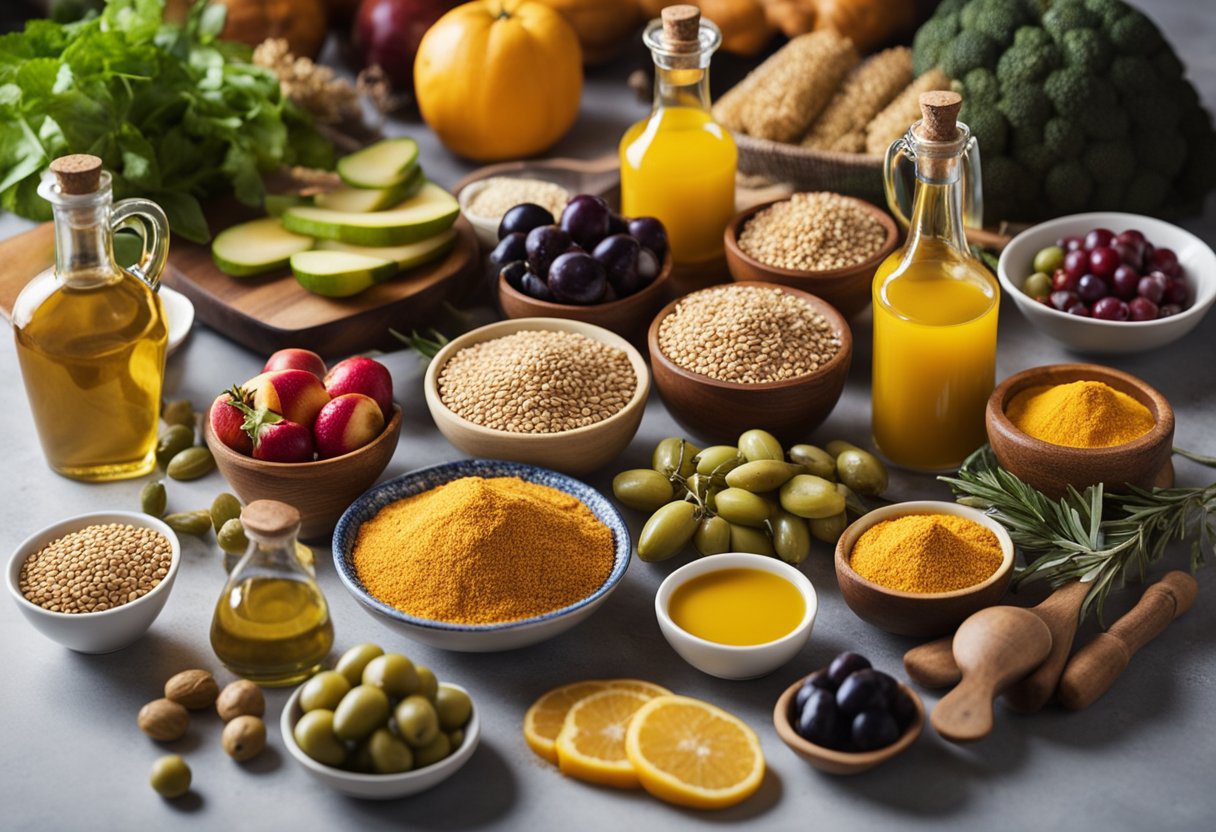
x: 872, y: 86
x: 780, y: 98
x: 897, y: 116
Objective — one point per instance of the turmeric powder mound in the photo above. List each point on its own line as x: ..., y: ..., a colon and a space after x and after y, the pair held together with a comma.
x: 926, y: 553
x: 1082, y: 414
x: 482, y: 551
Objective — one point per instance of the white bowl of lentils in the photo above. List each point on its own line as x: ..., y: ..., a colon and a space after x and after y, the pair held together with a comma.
x: 95, y: 582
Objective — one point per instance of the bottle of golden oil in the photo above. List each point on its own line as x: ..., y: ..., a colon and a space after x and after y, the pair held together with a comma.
x: 91, y: 335
x: 271, y: 624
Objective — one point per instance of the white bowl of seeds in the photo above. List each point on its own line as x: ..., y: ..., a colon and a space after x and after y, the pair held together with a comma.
x: 95, y: 582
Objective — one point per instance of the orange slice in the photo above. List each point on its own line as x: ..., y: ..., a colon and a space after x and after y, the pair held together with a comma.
x: 648, y: 689
x: 690, y: 753
x: 544, y: 720
x: 591, y: 745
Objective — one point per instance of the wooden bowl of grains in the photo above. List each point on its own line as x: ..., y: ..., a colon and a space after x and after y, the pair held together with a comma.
x: 824, y: 243
x: 750, y: 355
x: 561, y: 394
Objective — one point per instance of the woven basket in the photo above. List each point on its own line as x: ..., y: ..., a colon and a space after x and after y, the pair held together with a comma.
x: 812, y: 170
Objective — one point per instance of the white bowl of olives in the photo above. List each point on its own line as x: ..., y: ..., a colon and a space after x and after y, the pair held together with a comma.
x: 394, y: 733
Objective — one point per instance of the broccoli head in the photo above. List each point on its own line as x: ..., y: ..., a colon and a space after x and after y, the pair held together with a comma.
x: 1026, y: 107
x: 1108, y: 195
x: 1146, y: 192
x: 1032, y: 36
x: 1068, y: 186
x: 1086, y: 49
x: 1108, y: 11
x: 1064, y: 137
x: 980, y: 85
x: 931, y: 41
x: 1008, y: 187
x: 1135, y: 34
x: 1163, y: 152
x: 967, y: 51
x: 987, y: 125
x: 1023, y: 64
x: 1112, y: 160
x: 1070, y: 89
x: 1036, y: 158
x: 998, y: 19
x: 1168, y: 66
x: 1065, y: 15
x: 1132, y: 74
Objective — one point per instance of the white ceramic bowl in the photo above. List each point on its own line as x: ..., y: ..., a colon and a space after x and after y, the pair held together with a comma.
x: 377, y: 786
x: 486, y: 227
x: 728, y: 661
x: 95, y: 632
x: 1089, y: 335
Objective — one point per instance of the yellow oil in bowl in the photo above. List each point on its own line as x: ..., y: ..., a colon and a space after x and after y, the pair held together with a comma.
x: 739, y: 607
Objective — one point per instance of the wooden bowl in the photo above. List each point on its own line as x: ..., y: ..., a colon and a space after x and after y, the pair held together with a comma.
x: 921, y: 614
x: 320, y: 490
x: 842, y: 762
x: 1052, y: 468
x: 577, y: 451
x: 847, y: 288
x: 627, y: 317
x: 721, y: 410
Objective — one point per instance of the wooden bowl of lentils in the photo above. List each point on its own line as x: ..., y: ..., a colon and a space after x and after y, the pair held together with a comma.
x: 561, y: 394
x: 824, y: 243
x: 750, y: 355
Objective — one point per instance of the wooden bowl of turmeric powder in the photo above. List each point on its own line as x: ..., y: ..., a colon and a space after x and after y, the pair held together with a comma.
x: 1078, y: 425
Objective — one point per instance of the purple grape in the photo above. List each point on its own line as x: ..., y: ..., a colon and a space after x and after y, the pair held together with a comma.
x: 1130, y: 255
x: 1175, y: 291
x: 1168, y: 310
x: 577, y: 277
x: 816, y: 720
x: 1076, y: 263
x: 649, y: 265
x: 509, y: 249
x: 523, y: 218
x: 1091, y: 288
x: 1099, y: 238
x: 1071, y: 243
x: 845, y: 664
x: 903, y: 709
x: 650, y: 233
x: 1164, y: 259
x: 533, y: 286
x: 619, y: 254
x: 617, y: 224
x: 543, y: 245
x: 873, y: 729
x: 1079, y: 309
x: 1110, y: 309
x: 1152, y: 286
x: 1063, y: 299
x: 1124, y: 282
x: 514, y: 273
x: 1103, y: 261
x: 1131, y: 237
x: 586, y: 219
x: 1142, y: 309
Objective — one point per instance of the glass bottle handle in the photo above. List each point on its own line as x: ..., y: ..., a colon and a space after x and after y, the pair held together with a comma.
x: 898, y: 193
x: 973, y: 188
x: 148, y: 220
x: 892, y: 181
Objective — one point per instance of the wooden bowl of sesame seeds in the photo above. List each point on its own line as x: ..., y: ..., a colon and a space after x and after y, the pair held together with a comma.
x: 832, y: 245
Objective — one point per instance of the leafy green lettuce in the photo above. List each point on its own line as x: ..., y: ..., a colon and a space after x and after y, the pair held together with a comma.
x: 176, y: 114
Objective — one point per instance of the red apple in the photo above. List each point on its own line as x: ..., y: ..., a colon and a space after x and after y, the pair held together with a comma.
x: 362, y: 375
x: 296, y: 359
x: 347, y: 423
x: 296, y: 395
x: 387, y: 33
x: 226, y: 422
x: 283, y: 442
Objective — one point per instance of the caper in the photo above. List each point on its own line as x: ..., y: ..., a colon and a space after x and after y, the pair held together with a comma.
x: 172, y: 442
x: 433, y: 752
x: 712, y: 536
x: 838, y: 446
x: 324, y: 690
x: 153, y: 499
x: 170, y: 776
x: 388, y: 754
x: 829, y: 529
x: 718, y: 460
x: 392, y: 673
x: 224, y: 507
x: 748, y: 539
x: 667, y: 531
x: 741, y: 507
x: 762, y: 475
x: 453, y: 706
x: 760, y: 444
x: 417, y: 721
x: 862, y: 471
x: 355, y: 660
x: 179, y: 412
x: 314, y: 733
x: 361, y: 711
x: 231, y: 537
x: 189, y: 522
x: 852, y: 503
x: 674, y: 455
x: 428, y: 685
x: 811, y: 497
x: 644, y: 489
x: 191, y: 464
x: 791, y: 538
x: 815, y: 460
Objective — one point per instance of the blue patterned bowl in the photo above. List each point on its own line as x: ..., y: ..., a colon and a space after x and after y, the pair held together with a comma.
x: 476, y: 638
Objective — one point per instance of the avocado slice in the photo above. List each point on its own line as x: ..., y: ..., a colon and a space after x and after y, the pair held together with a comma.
x: 339, y: 274
x: 366, y: 200
x: 255, y: 247
x: 423, y: 215
x: 382, y: 165
x: 407, y: 256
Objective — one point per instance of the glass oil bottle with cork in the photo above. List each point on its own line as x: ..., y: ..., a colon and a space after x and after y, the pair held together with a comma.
x: 678, y: 164
x: 91, y: 335
x: 935, y: 306
x: 271, y: 623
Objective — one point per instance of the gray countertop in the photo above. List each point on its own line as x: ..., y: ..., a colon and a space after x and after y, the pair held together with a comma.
x: 72, y: 757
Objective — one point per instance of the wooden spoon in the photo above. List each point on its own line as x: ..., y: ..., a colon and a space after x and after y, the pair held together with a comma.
x: 993, y: 648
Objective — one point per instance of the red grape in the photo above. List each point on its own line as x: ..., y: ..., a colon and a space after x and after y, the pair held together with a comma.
x: 1070, y: 243
x: 1044, y: 299
x: 1079, y: 309
x: 1110, y: 309
x: 1124, y: 282
x: 1142, y: 309
x: 1061, y: 281
x: 1062, y: 300
x: 1133, y: 240
x: 1076, y: 263
x: 1175, y: 291
x: 1128, y: 254
x: 1091, y: 288
x: 1164, y: 259
x: 1099, y: 238
x: 1152, y: 286
x: 1168, y: 309
x: 1103, y: 261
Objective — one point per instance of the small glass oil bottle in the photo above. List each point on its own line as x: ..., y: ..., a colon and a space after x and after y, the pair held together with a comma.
x: 272, y: 623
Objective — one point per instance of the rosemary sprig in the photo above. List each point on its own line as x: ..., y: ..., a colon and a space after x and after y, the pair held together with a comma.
x: 426, y: 345
x: 1098, y: 538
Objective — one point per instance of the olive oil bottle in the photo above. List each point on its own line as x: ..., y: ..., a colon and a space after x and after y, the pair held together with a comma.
x: 271, y: 624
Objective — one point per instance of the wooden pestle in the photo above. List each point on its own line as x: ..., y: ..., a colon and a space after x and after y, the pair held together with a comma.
x: 994, y: 647
x: 1098, y: 664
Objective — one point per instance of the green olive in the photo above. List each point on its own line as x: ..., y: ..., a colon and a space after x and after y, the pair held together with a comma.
x: 170, y: 776
x: 760, y: 444
x: 642, y: 488
x: 862, y: 471
x: 1049, y: 259
x: 314, y: 733
x: 453, y: 706
x: 428, y: 685
x: 791, y: 538
x: 811, y: 497
x: 360, y: 758
x: 712, y: 536
x: 838, y: 446
x: 815, y: 460
x: 178, y: 412
x: 700, y: 485
x: 456, y: 738
x: 172, y: 442
x: 852, y: 503
x: 225, y: 507
x: 718, y: 460
x: 389, y: 755
x: 355, y: 660
x: 741, y: 507
x: 324, y: 690
x: 189, y: 522
x: 667, y: 531
x: 417, y: 721
x: 392, y: 673
x: 191, y: 464
x: 153, y: 499
x: 432, y: 752
x: 829, y: 529
x: 231, y: 537
x: 748, y: 539
x: 674, y: 455
x: 762, y: 475
x: 361, y: 711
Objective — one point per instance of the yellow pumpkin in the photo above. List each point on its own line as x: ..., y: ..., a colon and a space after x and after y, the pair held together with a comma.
x: 302, y: 23
x: 499, y: 79
x: 603, y: 26
x: 868, y: 23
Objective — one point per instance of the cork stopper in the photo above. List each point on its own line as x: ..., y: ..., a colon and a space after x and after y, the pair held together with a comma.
x: 270, y: 519
x: 939, y: 115
x: 682, y: 28
x: 77, y: 174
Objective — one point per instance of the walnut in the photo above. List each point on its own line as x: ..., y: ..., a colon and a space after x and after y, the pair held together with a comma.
x: 241, y: 698
x: 163, y: 720
x: 193, y: 689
